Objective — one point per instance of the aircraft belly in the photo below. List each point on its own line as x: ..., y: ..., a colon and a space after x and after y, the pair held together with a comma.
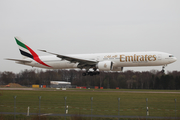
x: 71, y: 65
x: 62, y: 65
x: 58, y: 65
x: 52, y: 64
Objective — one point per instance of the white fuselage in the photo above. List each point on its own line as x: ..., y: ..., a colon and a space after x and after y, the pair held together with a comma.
x: 123, y: 59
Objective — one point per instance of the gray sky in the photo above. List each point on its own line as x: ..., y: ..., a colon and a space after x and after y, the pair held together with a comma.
x: 89, y: 26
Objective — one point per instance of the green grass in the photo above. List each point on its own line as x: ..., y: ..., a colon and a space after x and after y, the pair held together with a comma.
x: 104, y: 103
x: 35, y: 117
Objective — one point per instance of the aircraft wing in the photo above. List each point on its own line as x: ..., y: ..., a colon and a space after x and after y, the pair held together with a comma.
x: 18, y: 60
x: 82, y: 62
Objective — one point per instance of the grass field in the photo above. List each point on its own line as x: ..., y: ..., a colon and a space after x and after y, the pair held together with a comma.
x: 105, y: 102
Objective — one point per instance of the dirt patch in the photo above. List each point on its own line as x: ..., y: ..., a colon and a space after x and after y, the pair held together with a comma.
x: 12, y: 85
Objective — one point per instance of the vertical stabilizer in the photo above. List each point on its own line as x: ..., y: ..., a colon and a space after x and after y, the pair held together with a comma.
x: 27, y: 52
x: 23, y: 48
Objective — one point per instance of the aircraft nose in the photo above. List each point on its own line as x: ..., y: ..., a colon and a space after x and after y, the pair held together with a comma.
x: 175, y: 59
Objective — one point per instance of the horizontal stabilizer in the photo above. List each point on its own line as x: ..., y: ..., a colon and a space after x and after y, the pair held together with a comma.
x: 18, y: 60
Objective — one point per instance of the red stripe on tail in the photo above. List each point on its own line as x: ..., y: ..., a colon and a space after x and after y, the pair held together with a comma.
x: 36, y: 57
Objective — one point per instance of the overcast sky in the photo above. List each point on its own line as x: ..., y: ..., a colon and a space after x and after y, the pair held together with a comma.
x: 90, y: 26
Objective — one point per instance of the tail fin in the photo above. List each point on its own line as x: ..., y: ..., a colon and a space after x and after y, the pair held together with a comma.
x: 25, y: 51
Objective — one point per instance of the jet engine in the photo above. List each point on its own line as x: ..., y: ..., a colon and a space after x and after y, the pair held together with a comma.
x: 105, y: 66
x: 117, y: 69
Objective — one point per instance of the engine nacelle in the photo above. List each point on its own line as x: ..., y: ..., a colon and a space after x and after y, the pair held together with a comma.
x: 117, y: 69
x: 105, y: 66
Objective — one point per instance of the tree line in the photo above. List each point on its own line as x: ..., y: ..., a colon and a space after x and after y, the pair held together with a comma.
x: 124, y: 80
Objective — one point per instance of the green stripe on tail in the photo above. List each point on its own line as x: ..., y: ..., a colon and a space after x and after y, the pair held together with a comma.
x: 21, y: 44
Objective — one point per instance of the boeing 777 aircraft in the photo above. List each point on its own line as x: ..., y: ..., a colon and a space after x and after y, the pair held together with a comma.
x: 96, y: 62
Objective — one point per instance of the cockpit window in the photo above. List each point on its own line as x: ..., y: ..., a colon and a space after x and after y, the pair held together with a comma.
x: 171, y: 55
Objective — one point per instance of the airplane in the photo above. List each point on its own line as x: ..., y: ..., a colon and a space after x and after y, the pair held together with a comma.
x: 92, y: 63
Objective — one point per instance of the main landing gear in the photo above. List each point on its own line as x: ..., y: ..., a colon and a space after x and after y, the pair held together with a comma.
x: 90, y: 73
x: 163, y: 69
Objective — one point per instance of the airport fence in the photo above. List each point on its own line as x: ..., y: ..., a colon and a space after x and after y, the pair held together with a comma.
x: 92, y: 106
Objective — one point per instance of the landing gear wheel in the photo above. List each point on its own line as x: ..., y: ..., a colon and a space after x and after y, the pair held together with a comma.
x: 91, y: 73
